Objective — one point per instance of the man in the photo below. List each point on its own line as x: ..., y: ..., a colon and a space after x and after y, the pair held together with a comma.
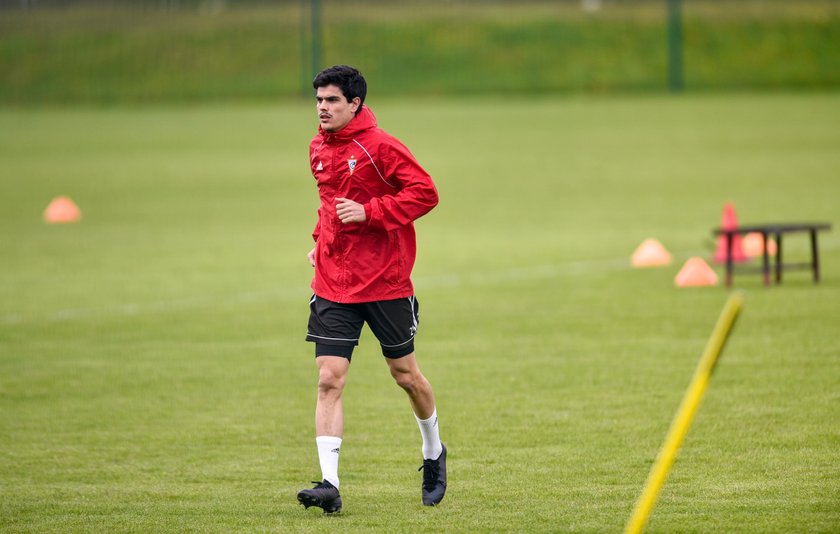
x: 371, y: 190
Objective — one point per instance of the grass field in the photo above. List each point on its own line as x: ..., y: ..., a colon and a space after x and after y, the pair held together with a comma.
x: 154, y: 377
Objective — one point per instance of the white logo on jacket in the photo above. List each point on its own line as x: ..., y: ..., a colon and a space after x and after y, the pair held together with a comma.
x: 352, y: 164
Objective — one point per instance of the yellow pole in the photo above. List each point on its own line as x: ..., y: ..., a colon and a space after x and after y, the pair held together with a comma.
x: 685, y: 414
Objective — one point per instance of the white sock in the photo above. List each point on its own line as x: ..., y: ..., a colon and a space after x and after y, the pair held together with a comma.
x: 431, y: 436
x: 328, y: 448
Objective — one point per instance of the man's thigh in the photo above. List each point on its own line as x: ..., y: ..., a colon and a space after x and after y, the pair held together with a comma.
x: 394, y: 323
x: 333, y: 323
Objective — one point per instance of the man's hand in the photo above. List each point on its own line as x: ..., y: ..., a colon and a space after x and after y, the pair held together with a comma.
x: 311, y: 257
x: 349, y: 211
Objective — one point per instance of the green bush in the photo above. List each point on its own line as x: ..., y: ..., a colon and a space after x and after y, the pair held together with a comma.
x: 114, y: 55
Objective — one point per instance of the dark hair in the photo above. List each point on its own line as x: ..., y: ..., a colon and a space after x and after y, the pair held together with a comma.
x: 348, y: 79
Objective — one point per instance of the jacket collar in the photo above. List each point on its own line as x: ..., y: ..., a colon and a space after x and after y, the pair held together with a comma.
x: 363, y: 121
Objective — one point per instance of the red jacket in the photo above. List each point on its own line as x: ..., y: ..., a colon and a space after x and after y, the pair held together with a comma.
x: 372, y: 260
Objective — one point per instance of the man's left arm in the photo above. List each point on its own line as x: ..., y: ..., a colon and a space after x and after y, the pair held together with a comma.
x: 414, y: 191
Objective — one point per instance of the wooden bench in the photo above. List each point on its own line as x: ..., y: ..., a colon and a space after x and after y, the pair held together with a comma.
x: 776, y: 230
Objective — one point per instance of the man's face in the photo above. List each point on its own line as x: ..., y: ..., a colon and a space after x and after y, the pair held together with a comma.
x: 334, y: 111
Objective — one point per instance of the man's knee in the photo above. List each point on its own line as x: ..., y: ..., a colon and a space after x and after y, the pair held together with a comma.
x: 409, y: 379
x: 332, y: 376
x: 404, y: 380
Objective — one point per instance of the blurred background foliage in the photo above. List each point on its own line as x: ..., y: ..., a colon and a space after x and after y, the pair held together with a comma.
x: 134, y: 51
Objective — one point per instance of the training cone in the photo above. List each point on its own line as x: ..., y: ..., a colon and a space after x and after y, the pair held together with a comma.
x: 752, y: 244
x: 696, y: 273
x: 729, y: 222
x: 650, y: 253
x: 62, y: 210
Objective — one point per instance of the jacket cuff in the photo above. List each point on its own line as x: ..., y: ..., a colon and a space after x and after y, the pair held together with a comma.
x: 368, y: 214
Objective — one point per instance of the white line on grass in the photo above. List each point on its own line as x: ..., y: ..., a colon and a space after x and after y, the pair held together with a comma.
x: 468, y: 279
x: 522, y: 274
x: 478, y: 278
x: 160, y: 306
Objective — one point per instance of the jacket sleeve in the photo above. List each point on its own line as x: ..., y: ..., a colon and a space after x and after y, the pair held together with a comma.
x: 414, y: 192
x: 317, y: 230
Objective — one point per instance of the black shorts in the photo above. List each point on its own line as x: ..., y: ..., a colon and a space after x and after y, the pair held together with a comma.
x: 335, y: 328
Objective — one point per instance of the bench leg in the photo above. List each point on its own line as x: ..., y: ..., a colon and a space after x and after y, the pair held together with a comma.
x: 765, y: 261
x: 779, y: 258
x: 815, y: 256
x: 729, y: 239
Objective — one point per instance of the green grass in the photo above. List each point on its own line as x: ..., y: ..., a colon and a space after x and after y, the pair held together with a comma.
x: 154, y: 377
x: 117, y: 55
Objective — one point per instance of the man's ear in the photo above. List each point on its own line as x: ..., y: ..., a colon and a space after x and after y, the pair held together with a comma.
x: 357, y: 102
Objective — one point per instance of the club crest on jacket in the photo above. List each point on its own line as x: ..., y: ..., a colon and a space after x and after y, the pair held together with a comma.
x: 352, y: 164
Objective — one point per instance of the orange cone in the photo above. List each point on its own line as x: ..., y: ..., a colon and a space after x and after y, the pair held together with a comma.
x: 650, y: 253
x: 753, y: 245
x: 730, y: 222
x: 62, y: 210
x: 696, y: 273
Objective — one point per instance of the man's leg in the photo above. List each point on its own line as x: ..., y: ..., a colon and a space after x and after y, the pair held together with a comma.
x: 335, y: 329
x: 407, y: 374
x: 395, y: 323
x: 329, y: 428
x: 329, y: 413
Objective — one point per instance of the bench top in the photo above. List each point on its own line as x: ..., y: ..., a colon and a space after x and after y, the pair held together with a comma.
x: 774, y: 228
